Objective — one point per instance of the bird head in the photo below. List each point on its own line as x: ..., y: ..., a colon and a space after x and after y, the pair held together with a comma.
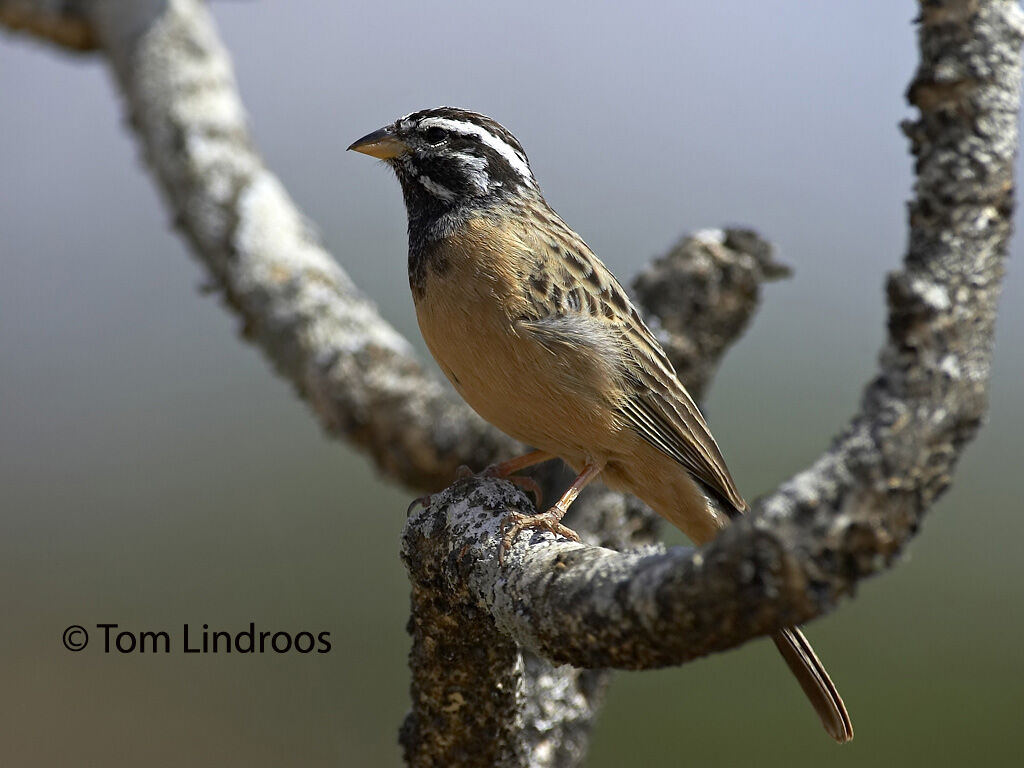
x: 447, y: 158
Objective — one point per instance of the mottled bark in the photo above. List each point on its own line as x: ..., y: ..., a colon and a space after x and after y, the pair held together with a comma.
x: 848, y: 515
x: 702, y: 294
x: 486, y: 640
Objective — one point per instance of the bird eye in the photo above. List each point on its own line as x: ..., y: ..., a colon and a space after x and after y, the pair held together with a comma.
x: 435, y: 135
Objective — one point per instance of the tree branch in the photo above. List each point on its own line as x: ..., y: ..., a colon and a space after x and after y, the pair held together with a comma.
x: 806, y: 545
x: 295, y: 302
x: 845, y: 517
x: 321, y: 334
x: 702, y: 294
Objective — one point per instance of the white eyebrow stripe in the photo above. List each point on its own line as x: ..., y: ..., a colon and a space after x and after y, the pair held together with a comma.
x: 516, y: 160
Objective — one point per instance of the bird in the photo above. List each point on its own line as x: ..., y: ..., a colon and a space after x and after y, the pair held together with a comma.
x: 541, y: 340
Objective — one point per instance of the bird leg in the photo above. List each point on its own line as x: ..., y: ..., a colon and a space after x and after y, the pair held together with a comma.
x: 506, y: 469
x: 516, y: 522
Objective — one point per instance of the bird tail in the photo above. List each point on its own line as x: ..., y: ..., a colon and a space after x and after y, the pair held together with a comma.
x: 675, y: 495
x: 817, y: 685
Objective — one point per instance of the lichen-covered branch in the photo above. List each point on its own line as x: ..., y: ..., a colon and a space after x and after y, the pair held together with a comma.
x: 851, y: 512
x: 702, y: 294
x: 293, y: 299
x: 478, y: 697
x: 320, y: 333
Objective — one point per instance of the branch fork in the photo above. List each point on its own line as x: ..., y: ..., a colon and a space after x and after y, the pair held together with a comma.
x: 507, y: 662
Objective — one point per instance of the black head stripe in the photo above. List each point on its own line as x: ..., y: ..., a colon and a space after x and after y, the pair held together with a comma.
x: 472, y: 120
x: 457, y: 163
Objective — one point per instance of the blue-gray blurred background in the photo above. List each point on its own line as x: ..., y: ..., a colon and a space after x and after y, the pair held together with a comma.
x: 154, y: 471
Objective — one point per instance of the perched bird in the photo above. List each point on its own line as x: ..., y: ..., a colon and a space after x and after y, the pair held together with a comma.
x: 541, y: 340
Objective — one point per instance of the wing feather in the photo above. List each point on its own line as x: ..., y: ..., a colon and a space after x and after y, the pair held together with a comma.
x: 569, y: 283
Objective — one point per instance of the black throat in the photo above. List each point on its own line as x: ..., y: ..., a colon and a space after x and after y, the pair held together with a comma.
x: 474, y: 168
x: 433, y: 219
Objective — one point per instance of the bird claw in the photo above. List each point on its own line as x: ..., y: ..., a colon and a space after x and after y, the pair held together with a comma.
x: 516, y: 522
x: 424, y: 501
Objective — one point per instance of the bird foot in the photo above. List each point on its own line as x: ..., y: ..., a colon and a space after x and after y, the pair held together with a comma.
x: 516, y: 522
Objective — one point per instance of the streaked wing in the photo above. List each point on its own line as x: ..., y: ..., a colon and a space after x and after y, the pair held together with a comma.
x: 659, y: 409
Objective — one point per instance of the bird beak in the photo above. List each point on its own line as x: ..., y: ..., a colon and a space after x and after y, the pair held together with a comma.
x: 382, y: 144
